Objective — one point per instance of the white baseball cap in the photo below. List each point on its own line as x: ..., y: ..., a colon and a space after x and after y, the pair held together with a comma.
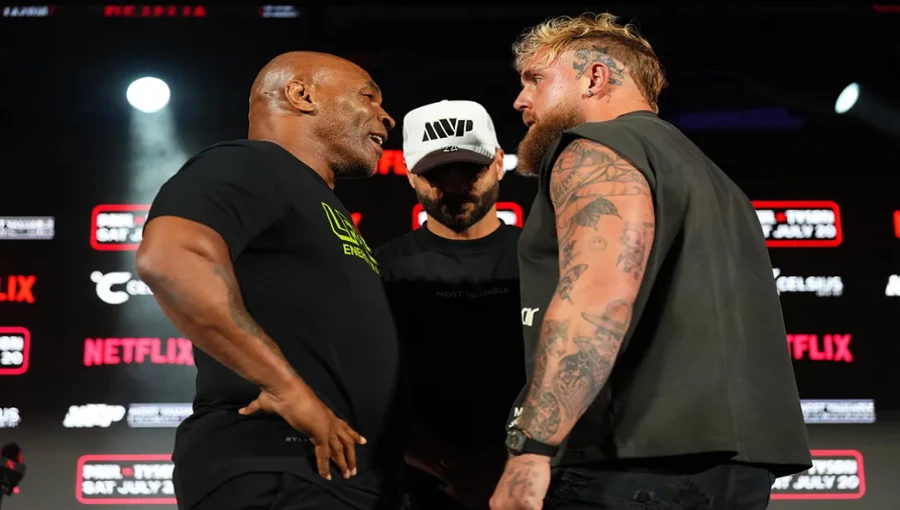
x: 447, y: 132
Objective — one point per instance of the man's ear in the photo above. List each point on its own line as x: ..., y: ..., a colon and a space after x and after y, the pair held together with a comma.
x: 298, y: 94
x: 497, y: 166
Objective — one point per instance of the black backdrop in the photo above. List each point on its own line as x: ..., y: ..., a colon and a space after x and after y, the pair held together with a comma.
x: 73, y: 150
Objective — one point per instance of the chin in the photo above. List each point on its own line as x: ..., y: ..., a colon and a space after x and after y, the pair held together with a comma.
x: 355, y: 170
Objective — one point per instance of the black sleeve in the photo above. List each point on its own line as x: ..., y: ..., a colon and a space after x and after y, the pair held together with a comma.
x: 230, y: 189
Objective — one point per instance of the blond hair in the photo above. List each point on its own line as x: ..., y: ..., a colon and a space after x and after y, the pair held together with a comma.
x: 622, y: 42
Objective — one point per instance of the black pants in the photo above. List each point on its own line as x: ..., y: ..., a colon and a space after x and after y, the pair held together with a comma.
x: 270, y: 491
x: 723, y: 487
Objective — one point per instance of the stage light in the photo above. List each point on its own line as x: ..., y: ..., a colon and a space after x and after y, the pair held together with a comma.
x: 847, y: 98
x: 148, y: 94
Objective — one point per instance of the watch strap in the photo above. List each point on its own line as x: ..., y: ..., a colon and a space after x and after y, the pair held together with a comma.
x: 533, y: 446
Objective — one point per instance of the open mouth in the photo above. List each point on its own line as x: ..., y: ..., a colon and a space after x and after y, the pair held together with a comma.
x: 378, y: 139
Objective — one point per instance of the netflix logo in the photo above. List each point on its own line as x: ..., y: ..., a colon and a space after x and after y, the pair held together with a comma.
x: 117, y: 351
x: 16, y: 288
x: 832, y: 347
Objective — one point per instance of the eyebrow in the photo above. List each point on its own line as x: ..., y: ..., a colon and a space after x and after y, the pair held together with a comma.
x: 371, y: 84
x: 528, y: 75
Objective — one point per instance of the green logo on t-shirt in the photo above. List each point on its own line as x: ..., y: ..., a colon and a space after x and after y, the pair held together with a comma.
x: 353, y: 243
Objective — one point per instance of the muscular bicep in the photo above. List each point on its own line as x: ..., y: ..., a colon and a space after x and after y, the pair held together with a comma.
x: 604, y: 219
x: 168, y: 236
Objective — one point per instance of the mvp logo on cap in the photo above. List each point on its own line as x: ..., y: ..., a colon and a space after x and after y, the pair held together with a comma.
x: 448, y: 132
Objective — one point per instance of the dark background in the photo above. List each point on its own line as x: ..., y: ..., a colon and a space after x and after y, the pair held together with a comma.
x: 754, y: 87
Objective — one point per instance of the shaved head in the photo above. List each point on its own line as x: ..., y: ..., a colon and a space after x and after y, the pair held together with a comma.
x: 305, y: 66
x: 320, y: 106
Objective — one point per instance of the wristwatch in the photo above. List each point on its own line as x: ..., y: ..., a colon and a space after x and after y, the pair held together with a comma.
x: 518, y: 442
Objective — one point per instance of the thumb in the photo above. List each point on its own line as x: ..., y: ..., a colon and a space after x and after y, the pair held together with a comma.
x: 251, y: 408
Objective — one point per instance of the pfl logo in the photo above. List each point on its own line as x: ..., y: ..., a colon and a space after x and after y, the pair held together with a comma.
x: 106, y: 282
x: 508, y: 212
x: 118, y: 227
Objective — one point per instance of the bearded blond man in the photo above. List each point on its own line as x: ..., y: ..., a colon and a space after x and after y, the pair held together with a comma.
x: 658, y: 373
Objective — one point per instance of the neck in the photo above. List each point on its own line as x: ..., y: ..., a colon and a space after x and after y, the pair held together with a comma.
x: 616, y: 108
x: 310, y: 153
x: 484, y: 227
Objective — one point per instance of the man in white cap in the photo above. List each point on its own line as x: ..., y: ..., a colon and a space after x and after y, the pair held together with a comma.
x: 453, y: 288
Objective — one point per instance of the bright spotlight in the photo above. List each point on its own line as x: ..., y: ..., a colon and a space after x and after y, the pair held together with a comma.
x: 847, y: 99
x: 148, y: 94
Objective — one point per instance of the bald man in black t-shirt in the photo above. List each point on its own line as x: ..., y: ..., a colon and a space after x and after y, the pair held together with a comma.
x: 249, y: 252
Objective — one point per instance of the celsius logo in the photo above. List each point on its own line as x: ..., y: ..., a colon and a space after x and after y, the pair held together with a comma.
x: 508, y: 212
x: 106, y: 282
x: 800, y: 224
x: 118, y: 227
x: 822, y: 286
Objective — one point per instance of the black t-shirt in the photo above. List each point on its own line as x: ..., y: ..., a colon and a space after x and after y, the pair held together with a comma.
x: 455, y: 304
x: 310, y: 281
x: 704, y: 367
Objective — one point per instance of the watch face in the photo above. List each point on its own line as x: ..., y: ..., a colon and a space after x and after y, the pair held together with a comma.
x: 515, y: 440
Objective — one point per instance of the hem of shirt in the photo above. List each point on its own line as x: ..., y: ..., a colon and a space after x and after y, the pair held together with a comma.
x: 780, y: 462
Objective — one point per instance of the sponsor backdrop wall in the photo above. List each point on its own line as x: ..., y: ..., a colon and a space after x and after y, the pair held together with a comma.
x: 94, y: 378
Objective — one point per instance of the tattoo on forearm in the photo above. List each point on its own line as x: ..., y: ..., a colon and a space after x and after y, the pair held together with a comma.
x: 521, y: 481
x: 568, y: 252
x: 570, y: 370
x: 636, y: 241
x: 597, y: 243
x: 239, y: 314
x: 567, y: 281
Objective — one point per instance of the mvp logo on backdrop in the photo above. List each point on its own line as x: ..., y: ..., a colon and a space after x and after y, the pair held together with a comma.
x: 800, y: 223
x: 117, y: 287
x: 15, y: 346
x: 125, y: 480
x: 836, y: 474
x: 138, y: 415
x: 508, y: 212
x: 118, y: 227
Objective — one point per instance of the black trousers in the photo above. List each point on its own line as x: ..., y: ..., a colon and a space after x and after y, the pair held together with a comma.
x: 270, y: 491
x: 723, y: 487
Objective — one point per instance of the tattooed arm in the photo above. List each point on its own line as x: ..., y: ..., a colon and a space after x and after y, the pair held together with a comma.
x: 188, y: 267
x: 605, y: 223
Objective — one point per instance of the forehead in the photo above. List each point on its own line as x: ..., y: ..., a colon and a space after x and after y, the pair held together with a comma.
x: 538, y: 63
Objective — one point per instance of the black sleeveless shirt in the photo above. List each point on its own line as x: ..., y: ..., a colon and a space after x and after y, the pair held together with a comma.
x: 704, y: 367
